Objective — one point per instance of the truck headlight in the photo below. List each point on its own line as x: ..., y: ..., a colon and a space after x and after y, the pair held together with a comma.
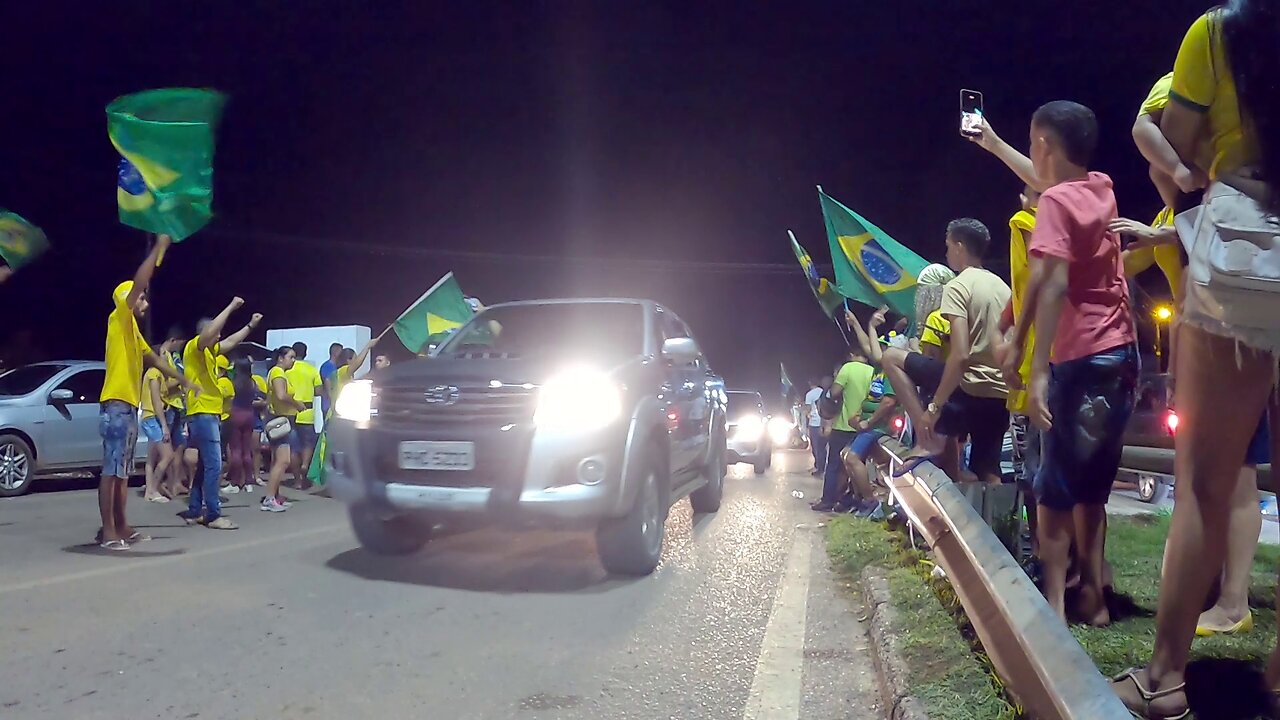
x: 780, y: 430
x: 581, y: 400
x: 750, y: 428
x: 355, y: 402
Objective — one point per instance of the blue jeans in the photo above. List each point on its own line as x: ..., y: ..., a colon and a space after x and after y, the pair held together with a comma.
x: 831, y: 480
x: 818, y: 445
x: 205, y: 435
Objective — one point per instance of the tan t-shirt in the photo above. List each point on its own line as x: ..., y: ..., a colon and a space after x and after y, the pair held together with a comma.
x: 979, y: 296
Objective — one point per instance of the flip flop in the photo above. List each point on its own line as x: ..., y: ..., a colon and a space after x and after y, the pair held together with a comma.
x: 137, y: 537
x: 115, y: 545
x: 1148, y: 697
x: 912, y: 463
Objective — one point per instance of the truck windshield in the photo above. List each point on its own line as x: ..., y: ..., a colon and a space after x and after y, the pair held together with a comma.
x: 604, y: 332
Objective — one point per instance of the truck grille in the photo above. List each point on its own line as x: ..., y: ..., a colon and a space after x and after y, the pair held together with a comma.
x: 402, y: 406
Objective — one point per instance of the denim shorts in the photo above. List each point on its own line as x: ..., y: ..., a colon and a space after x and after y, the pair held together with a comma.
x: 864, y: 443
x: 1260, y: 446
x: 118, y: 426
x: 1091, y: 400
x: 177, y: 426
x: 151, y: 429
x: 307, y: 438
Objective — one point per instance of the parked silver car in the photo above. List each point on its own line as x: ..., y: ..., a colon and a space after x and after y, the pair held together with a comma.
x: 49, y: 422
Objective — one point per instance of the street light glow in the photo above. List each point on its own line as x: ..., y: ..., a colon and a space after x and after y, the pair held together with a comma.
x: 1164, y: 313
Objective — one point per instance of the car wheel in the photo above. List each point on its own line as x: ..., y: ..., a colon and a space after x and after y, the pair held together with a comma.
x: 395, y: 535
x: 16, y: 466
x: 706, y: 499
x: 764, y: 461
x: 632, y: 544
x: 1151, y: 490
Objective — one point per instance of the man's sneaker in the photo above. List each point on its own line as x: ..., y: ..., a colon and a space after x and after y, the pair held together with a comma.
x: 822, y: 507
x: 231, y: 490
x: 248, y: 488
x: 843, y: 508
x: 222, y: 523
x: 870, y: 510
x: 270, y: 504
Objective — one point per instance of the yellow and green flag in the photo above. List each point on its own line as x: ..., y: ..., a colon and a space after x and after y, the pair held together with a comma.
x: 430, y: 319
x: 20, y: 241
x: 822, y: 288
x: 166, y: 140
x: 870, y: 266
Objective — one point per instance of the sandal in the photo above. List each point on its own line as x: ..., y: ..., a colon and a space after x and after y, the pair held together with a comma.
x: 116, y: 545
x: 137, y: 537
x: 911, y: 463
x: 1149, y: 697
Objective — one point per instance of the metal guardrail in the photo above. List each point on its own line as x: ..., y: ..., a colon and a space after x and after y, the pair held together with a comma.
x: 1035, y: 655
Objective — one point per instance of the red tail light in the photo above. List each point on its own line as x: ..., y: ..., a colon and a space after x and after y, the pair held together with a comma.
x: 1171, y: 422
x: 897, y: 423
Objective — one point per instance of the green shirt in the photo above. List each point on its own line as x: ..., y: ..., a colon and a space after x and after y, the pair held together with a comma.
x: 855, y: 379
x: 880, y: 387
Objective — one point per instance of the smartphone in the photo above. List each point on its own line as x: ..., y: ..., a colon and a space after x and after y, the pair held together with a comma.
x: 970, y: 113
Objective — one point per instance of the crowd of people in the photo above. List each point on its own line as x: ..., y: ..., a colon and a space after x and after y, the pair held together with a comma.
x: 1051, y: 357
x: 212, y: 424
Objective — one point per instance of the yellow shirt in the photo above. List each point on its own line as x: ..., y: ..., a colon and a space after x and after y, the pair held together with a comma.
x: 1021, y: 226
x: 228, y: 392
x: 937, y: 332
x: 304, y: 378
x: 125, y: 349
x: 1168, y: 257
x: 1155, y: 103
x: 175, y: 397
x: 277, y: 408
x: 200, y: 368
x: 340, y: 380
x: 152, y: 374
x: 1203, y: 82
x: 261, y: 382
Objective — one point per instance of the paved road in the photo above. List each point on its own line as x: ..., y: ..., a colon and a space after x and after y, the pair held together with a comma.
x: 288, y: 618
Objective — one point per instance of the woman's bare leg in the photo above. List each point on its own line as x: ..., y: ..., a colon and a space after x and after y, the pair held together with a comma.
x: 1242, y: 542
x: 1209, y: 448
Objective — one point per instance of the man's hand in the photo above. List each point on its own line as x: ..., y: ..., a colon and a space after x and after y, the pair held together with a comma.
x: 986, y: 138
x: 1190, y: 179
x: 877, y: 317
x: 255, y: 319
x: 237, y: 303
x: 1038, y: 401
x: 849, y: 318
x: 163, y: 241
x: 1009, y: 358
x: 1143, y: 234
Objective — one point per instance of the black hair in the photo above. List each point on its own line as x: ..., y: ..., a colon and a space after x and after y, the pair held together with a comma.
x: 175, y: 333
x: 242, y: 376
x: 972, y: 234
x: 334, y: 348
x: 284, y: 350
x: 347, y: 356
x: 1075, y: 127
x: 1251, y: 42
x: 300, y: 348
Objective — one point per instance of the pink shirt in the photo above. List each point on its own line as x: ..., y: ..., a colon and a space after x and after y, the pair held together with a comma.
x: 1071, y: 224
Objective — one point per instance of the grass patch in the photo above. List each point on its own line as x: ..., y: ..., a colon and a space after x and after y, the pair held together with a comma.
x: 950, y: 680
x: 1135, y: 546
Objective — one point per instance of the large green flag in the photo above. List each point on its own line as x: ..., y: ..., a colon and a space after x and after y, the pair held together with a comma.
x: 822, y: 289
x: 20, y: 241
x: 431, y: 318
x: 165, y: 139
x: 870, y: 266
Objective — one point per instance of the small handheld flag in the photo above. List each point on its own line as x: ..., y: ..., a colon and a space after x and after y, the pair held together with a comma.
x: 20, y: 241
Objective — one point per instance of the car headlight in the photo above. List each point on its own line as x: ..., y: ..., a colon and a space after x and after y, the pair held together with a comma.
x: 750, y: 427
x: 355, y: 402
x: 780, y: 430
x: 580, y: 400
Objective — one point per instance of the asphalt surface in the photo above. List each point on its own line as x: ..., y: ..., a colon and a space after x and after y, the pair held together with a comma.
x: 288, y: 618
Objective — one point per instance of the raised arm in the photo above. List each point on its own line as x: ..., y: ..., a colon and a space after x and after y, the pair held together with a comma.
x: 361, y: 356
x: 153, y: 360
x: 142, y: 278
x: 238, y: 336
x: 1020, y: 164
x: 211, y: 332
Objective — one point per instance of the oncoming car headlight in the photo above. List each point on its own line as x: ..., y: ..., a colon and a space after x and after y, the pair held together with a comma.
x: 780, y: 430
x: 750, y: 427
x: 355, y: 402
x: 580, y: 400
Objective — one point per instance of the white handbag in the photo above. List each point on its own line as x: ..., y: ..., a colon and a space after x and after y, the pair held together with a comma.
x: 1233, y: 250
x: 278, y: 428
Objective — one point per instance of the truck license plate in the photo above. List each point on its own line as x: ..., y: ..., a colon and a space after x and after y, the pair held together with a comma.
x: 433, y: 455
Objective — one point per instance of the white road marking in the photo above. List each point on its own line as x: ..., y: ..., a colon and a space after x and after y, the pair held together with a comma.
x: 166, y: 560
x: 776, y: 689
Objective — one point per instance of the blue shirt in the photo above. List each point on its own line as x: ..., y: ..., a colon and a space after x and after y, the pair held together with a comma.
x: 327, y: 370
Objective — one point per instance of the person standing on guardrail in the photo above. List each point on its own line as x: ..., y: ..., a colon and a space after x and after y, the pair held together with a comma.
x: 126, y: 352
x: 1224, y: 91
x: 1078, y: 295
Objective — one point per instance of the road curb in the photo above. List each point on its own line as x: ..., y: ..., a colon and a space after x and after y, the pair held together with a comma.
x: 891, y: 668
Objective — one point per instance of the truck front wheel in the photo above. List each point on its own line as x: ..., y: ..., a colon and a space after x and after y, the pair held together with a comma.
x: 394, y: 535
x: 632, y: 544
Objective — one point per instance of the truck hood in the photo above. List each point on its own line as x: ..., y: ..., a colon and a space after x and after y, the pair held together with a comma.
x: 481, y: 370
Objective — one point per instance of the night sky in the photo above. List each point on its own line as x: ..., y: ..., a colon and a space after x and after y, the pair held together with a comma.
x: 573, y: 148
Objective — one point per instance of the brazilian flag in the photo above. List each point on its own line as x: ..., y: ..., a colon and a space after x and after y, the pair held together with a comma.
x: 165, y: 139
x: 870, y: 266
x: 430, y: 319
x: 20, y: 241
x: 822, y: 288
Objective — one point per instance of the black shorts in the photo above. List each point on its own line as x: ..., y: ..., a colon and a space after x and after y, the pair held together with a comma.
x: 984, y: 420
x: 307, y: 437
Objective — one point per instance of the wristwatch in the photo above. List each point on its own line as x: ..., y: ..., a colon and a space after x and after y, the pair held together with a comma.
x: 932, y: 409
